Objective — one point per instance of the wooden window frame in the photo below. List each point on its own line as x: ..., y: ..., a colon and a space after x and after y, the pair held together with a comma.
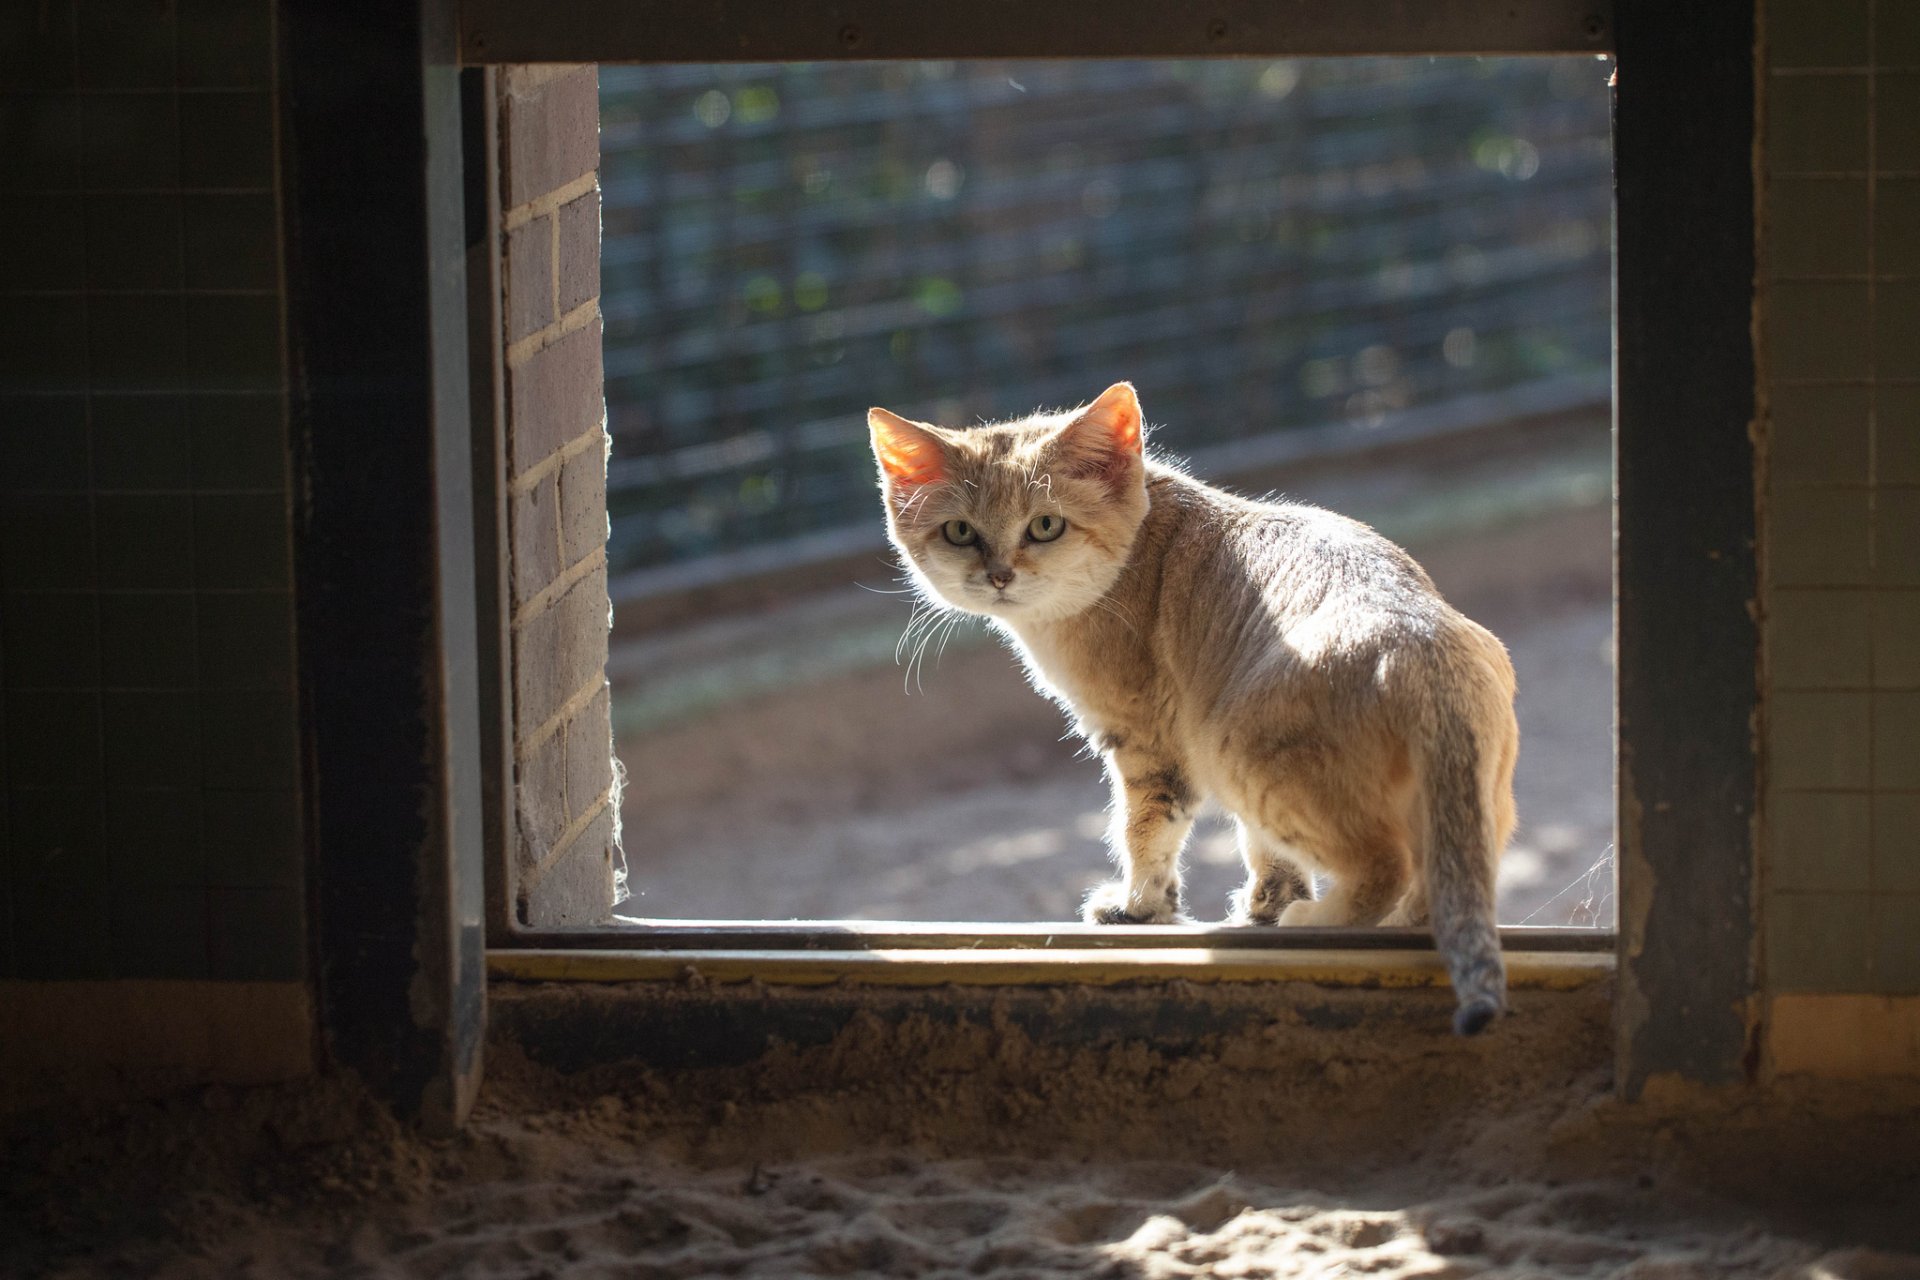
x: 1687, y: 695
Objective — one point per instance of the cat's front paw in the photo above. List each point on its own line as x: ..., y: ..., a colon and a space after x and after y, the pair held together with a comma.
x: 1113, y: 903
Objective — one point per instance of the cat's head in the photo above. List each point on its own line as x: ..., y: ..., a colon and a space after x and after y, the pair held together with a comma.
x: 1027, y: 521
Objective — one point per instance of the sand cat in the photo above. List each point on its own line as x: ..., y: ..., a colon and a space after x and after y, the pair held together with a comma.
x: 1288, y: 663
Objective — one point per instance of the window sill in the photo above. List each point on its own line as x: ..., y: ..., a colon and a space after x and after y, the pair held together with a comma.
x: 1003, y: 966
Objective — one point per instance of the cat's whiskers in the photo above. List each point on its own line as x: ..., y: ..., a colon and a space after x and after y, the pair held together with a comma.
x: 923, y: 613
x: 916, y: 665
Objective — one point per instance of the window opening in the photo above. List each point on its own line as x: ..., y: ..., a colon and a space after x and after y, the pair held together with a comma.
x: 1378, y: 284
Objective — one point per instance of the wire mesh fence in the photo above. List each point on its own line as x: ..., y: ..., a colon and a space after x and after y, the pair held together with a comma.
x: 1261, y: 247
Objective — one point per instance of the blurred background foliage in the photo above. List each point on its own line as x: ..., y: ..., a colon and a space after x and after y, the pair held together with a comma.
x: 1261, y: 247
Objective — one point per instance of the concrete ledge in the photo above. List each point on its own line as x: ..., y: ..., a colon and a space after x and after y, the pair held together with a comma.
x: 605, y: 1029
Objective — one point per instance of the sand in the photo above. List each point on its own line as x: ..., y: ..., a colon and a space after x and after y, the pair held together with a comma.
x: 600, y: 1187
x: 1358, y: 1138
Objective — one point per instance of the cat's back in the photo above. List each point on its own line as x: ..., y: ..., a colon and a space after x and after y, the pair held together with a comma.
x: 1289, y: 559
x: 1249, y: 593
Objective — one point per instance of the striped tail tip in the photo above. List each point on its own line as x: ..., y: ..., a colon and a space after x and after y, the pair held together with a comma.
x: 1474, y: 1016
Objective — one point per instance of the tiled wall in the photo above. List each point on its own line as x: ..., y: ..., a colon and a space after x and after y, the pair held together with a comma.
x: 1841, y: 250
x: 148, y: 815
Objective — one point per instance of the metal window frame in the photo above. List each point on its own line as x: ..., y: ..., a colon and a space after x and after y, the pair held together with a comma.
x: 1688, y: 703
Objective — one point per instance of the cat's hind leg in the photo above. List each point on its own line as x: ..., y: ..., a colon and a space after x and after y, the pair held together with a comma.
x: 1153, y: 810
x: 1275, y: 879
x: 1369, y: 874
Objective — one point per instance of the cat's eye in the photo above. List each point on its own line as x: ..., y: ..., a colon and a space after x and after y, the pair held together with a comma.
x: 959, y: 533
x: 1046, y: 528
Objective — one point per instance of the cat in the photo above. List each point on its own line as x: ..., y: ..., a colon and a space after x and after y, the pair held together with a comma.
x: 1288, y: 663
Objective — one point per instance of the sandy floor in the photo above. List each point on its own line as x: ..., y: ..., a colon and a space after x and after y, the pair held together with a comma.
x: 264, y: 1186
x: 848, y: 790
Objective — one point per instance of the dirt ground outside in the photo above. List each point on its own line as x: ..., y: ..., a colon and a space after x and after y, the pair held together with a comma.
x: 784, y: 765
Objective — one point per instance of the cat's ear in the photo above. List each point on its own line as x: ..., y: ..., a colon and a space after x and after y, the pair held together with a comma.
x: 1105, y: 437
x: 1116, y: 415
x: 909, y: 452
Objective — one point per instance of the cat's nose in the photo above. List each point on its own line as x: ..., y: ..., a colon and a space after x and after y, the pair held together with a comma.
x: 1000, y: 577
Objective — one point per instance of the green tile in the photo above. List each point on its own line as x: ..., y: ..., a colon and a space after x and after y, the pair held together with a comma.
x: 1820, y: 841
x: 1896, y: 640
x: 248, y: 739
x: 153, y: 737
x: 53, y: 738
x: 1817, y: 33
x: 235, y: 342
x: 140, y: 442
x: 226, y: 140
x: 1896, y: 739
x: 43, y: 144
x: 52, y: 640
x: 158, y: 932
x: 46, y: 541
x: 1896, y: 842
x: 1819, y: 942
x: 246, y: 640
x: 1896, y: 537
x: 153, y: 837
x: 257, y: 935
x: 1896, y: 227
x: 1819, y: 329
x: 133, y: 242
x: 136, y: 343
x: 146, y: 539
x: 55, y: 837
x: 1819, y: 436
x: 1819, y: 639
x: 61, y: 935
x: 1896, y: 37
x: 252, y: 840
x: 1896, y: 951
x: 36, y: 46
x: 42, y: 232
x: 232, y: 242
x: 239, y: 442
x: 1818, y: 538
x: 1896, y: 122
x: 1817, y: 226
x: 1816, y: 124
x: 1897, y: 435
x: 1819, y: 740
x: 131, y: 143
x: 43, y: 345
x: 1896, y: 329
x: 147, y: 640
x: 125, y: 46
x: 242, y: 540
x: 226, y: 44
x: 43, y: 443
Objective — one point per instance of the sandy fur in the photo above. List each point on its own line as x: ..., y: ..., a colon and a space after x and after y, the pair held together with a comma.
x: 1284, y: 661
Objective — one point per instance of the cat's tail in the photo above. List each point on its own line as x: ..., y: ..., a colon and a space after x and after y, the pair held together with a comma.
x: 1460, y: 872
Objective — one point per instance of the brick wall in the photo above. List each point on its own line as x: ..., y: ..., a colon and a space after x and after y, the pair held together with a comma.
x: 1840, y: 248
x: 151, y: 859
x: 566, y: 859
